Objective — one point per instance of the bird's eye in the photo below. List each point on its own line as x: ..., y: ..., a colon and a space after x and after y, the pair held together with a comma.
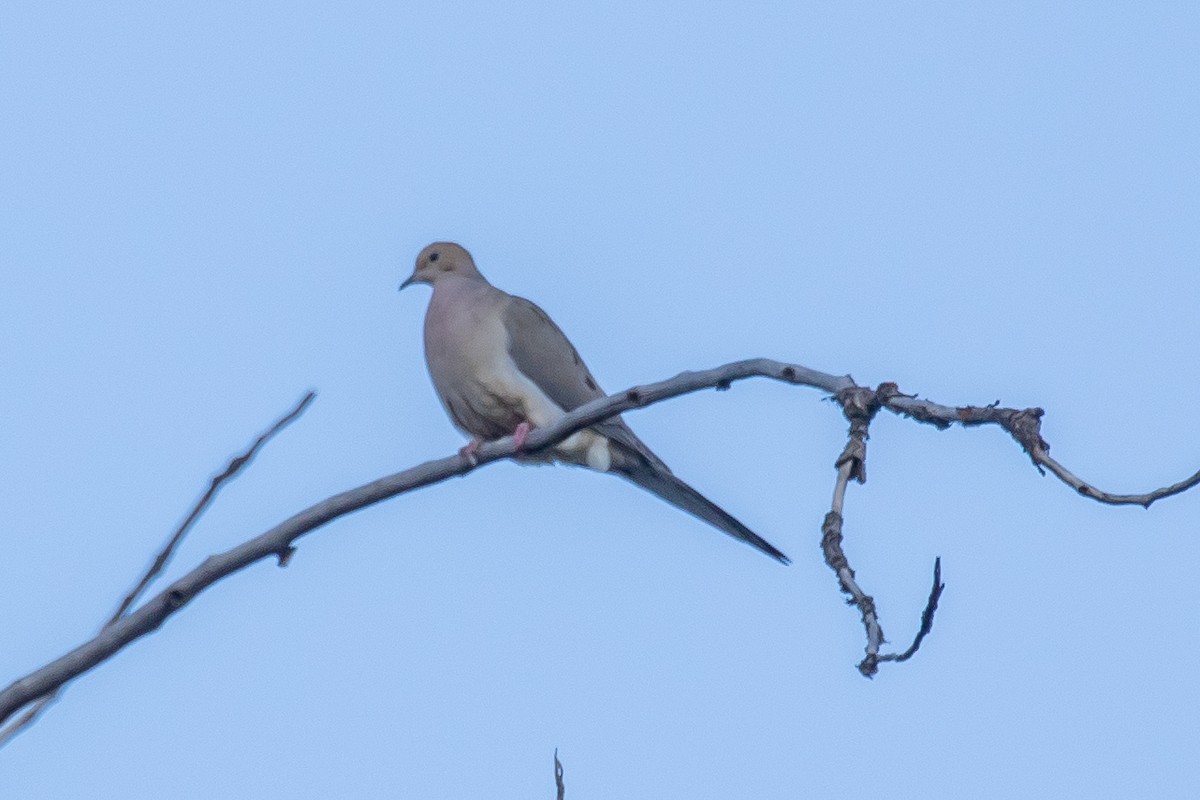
x: 433, y: 257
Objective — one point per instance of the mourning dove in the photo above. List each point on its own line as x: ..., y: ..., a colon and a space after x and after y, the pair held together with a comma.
x: 501, y: 367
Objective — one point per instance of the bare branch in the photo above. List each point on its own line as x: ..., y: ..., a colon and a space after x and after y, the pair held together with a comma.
x: 279, y: 541
x: 558, y: 776
x: 931, y: 605
x: 860, y: 406
x: 835, y: 557
x: 1024, y: 425
x: 1087, y: 490
x: 29, y: 717
x: 235, y: 466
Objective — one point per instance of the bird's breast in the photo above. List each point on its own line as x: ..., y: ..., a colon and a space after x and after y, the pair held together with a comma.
x: 466, y: 348
x: 485, y: 393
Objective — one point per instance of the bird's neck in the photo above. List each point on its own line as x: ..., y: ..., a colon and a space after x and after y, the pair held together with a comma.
x: 456, y: 295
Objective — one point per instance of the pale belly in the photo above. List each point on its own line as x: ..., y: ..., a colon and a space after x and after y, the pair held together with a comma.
x: 487, y: 396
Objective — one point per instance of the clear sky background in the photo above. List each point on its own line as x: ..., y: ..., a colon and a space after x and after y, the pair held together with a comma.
x: 206, y: 208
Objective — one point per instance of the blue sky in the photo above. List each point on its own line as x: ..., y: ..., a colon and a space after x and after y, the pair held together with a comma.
x: 205, y: 210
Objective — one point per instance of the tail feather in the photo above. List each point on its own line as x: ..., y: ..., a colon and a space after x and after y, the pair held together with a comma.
x: 663, y: 483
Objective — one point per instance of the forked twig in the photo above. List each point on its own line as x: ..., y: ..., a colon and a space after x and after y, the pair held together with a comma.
x: 235, y: 466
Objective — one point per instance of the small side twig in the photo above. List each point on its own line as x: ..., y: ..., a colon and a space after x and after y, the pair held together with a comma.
x: 29, y: 717
x: 558, y: 776
x: 1025, y: 426
x: 931, y: 605
x: 860, y: 406
x: 835, y: 557
x: 1043, y: 458
x: 235, y: 466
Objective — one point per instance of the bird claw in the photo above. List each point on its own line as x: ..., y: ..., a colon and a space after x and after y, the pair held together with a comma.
x: 519, y: 434
x: 467, y: 451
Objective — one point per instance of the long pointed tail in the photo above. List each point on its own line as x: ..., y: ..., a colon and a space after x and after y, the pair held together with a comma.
x: 663, y: 483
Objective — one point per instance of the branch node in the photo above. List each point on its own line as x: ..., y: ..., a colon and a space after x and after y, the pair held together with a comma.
x: 858, y: 402
x: 869, y: 666
x: 860, y: 405
x: 284, y: 556
x: 831, y: 546
x: 855, y: 453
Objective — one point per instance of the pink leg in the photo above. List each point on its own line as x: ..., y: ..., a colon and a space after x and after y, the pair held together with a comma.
x: 467, y: 451
x: 521, y: 433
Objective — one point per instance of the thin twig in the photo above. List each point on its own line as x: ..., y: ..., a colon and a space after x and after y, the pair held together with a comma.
x: 835, y: 557
x: 931, y: 605
x: 1087, y: 490
x: 29, y: 717
x: 860, y: 406
x: 235, y: 465
x: 558, y: 776
x: 1024, y: 425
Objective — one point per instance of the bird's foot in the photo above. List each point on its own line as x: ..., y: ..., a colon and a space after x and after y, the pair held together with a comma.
x: 467, y: 451
x: 520, y: 434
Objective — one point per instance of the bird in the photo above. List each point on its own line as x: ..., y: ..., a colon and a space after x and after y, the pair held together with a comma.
x: 501, y: 367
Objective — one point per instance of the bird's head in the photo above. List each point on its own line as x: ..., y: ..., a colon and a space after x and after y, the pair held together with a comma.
x: 439, y: 259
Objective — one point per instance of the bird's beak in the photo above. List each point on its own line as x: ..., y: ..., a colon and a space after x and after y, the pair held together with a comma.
x: 408, y: 282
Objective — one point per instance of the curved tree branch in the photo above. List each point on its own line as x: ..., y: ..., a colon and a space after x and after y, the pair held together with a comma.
x: 278, y: 542
x: 235, y: 465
